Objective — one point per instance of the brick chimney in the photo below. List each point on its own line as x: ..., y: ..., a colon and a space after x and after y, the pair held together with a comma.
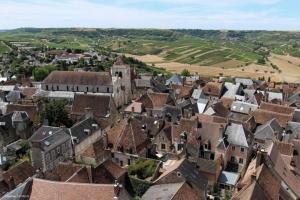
x: 132, y: 109
x: 117, y: 189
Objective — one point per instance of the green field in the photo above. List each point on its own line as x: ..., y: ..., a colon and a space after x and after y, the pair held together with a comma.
x: 3, y: 48
x: 197, y: 47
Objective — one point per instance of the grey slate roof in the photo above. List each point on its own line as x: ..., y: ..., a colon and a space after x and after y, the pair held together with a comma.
x: 20, y: 192
x: 244, y: 81
x: 236, y: 135
x: 292, y: 131
x: 172, y: 112
x: 80, y: 129
x: 175, y: 79
x: 268, y: 130
x: 13, y: 96
x: 228, y: 178
x: 231, y: 90
x: 50, y: 136
x: 162, y: 191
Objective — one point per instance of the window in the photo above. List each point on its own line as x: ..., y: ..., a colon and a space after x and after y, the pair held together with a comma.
x: 163, y: 146
x: 179, y: 147
x: 112, y: 155
x: 57, y: 88
x: 233, y: 148
x: 107, y: 89
x: 212, y: 156
x: 128, y: 161
x: 121, y: 163
x: 58, y: 150
x: 77, y: 88
x: 241, y: 161
x: 53, y: 154
x: 47, y: 157
x: 242, y: 149
x: 232, y: 159
x: 67, y: 88
x: 205, y: 146
x: 97, y: 89
x: 46, y: 87
x: 87, y: 89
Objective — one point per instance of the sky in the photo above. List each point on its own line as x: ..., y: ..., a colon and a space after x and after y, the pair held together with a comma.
x: 163, y: 14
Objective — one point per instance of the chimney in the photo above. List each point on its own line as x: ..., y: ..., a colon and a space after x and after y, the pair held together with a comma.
x: 11, y: 183
x: 117, y: 189
x: 88, y: 113
x: 132, y: 109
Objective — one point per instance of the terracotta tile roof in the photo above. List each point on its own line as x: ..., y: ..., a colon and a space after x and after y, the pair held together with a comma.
x: 251, y: 192
x: 95, y: 150
x: 28, y: 92
x: 209, y: 118
x: 114, y: 133
x: 80, y: 176
x: 19, y: 173
x: 154, y: 100
x: 182, y: 91
x: 132, y: 137
x: 134, y: 107
x: 283, y: 170
x: 276, y: 108
x: 99, y: 105
x: 108, y: 172
x: 63, y: 171
x: 284, y: 147
x: 128, y: 135
x: 50, y: 190
x: 263, y: 116
x: 187, y: 192
x: 187, y: 126
x: 31, y: 110
x: 78, y: 78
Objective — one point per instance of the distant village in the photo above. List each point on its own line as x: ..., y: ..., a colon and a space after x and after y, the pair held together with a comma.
x: 78, y: 133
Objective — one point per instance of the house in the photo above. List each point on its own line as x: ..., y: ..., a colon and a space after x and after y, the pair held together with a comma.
x: 154, y: 103
x: 134, y: 108
x: 244, y: 81
x: 238, y: 147
x: 101, y: 107
x: 213, y: 90
x: 231, y: 90
x: 127, y: 140
x: 172, y: 191
x: 108, y: 172
x: 269, y: 176
x: 49, y: 146
x: 163, y: 140
x: 268, y: 111
x: 13, y: 126
x: 172, y: 113
x: 84, y: 134
x: 32, y: 110
x: 184, y: 171
x: 175, y: 80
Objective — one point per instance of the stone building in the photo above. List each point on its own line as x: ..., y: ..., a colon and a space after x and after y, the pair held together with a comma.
x: 49, y: 146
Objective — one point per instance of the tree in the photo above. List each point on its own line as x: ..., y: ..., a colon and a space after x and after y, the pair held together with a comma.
x: 41, y: 73
x: 56, y: 114
x: 185, y: 72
